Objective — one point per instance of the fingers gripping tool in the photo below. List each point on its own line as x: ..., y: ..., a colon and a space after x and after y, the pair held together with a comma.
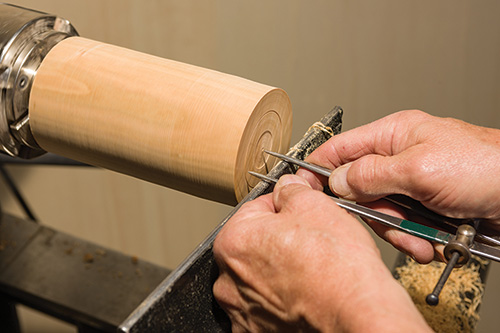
x: 458, y: 247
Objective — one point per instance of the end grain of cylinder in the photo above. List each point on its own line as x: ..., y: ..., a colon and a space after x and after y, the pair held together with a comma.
x: 185, y: 127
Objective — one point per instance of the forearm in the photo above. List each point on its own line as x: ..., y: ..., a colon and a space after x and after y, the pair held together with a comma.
x: 389, y: 311
x: 376, y: 302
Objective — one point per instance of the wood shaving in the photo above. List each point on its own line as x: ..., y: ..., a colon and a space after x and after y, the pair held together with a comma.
x: 459, y: 300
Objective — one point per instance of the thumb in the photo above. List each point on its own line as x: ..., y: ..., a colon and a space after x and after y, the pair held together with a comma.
x: 291, y: 190
x: 370, y: 177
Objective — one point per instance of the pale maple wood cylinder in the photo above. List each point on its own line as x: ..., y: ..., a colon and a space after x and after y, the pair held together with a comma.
x: 185, y: 127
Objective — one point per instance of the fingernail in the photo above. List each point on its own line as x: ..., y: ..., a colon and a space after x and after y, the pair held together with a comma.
x: 291, y: 179
x: 338, y: 181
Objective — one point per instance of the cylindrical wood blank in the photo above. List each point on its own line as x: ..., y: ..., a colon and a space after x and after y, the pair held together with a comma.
x: 185, y: 127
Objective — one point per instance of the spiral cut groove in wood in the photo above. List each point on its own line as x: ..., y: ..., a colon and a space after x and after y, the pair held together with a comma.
x: 185, y: 127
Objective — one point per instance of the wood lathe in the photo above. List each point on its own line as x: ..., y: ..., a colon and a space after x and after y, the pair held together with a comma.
x: 188, y: 128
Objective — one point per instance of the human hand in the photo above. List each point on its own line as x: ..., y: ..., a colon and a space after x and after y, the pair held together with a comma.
x: 294, y: 261
x: 448, y: 165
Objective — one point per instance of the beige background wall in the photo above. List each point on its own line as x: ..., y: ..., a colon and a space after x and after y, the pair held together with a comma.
x: 370, y: 57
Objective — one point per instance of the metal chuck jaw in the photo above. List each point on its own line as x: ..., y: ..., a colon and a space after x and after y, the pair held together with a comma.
x: 25, y: 39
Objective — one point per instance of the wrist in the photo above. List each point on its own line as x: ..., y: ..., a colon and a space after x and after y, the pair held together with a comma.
x: 368, y: 299
x: 382, y: 305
